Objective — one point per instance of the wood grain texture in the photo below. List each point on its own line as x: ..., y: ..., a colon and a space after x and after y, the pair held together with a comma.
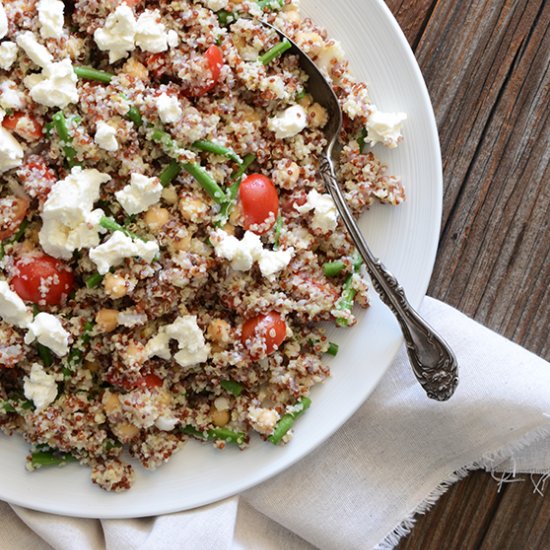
x: 487, y: 67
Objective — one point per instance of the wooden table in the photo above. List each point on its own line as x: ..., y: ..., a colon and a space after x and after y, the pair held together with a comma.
x: 487, y: 67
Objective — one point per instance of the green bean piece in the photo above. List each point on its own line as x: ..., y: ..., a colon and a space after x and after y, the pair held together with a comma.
x: 45, y: 355
x: 163, y: 138
x: 287, y: 421
x: 134, y: 115
x: 93, y: 281
x: 361, y: 140
x: 215, y: 434
x: 8, y: 407
x: 232, y: 387
x: 206, y: 181
x: 301, y: 94
x: 216, y: 149
x: 49, y: 458
x: 277, y: 232
x: 332, y: 349
x: 15, y: 238
x: 88, y: 73
x: 348, y: 293
x: 77, y: 351
x: 270, y: 3
x: 333, y: 269
x: 60, y: 124
x: 169, y: 173
x: 225, y: 17
x: 112, y: 225
x: 274, y: 52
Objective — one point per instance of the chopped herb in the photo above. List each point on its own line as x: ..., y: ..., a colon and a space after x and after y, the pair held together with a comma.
x: 232, y: 387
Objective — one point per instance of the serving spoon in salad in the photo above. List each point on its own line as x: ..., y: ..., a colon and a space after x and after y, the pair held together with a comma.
x: 431, y: 358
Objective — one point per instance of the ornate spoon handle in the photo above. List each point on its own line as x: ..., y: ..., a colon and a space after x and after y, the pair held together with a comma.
x: 433, y: 362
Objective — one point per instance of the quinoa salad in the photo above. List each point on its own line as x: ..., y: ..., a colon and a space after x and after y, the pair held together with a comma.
x: 167, y: 247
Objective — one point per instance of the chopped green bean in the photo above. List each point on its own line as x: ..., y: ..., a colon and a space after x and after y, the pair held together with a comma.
x: 8, y: 407
x: 134, y: 115
x: 333, y: 269
x: 94, y: 280
x: 206, y: 181
x: 169, y: 173
x: 77, y: 351
x: 112, y: 225
x: 88, y: 73
x: 232, y: 387
x: 225, y: 17
x: 45, y: 355
x: 15, y: 238
x: 270, y: 4
x: 277, y: 232
x: 274, y: 52
x: 332, y: 349
x: 287, y: 421
x: 163, y: 138
x: 216, y: 434
x: 216, y: 149
x: 345, y: 303
x: 301, y: 94
x: 361, y: 140
x: 50, y: 458
x: 60, y: 124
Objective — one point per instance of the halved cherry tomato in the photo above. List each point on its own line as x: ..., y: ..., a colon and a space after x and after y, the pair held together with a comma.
x: 151, y: 381
x: 214, y: 58
x: 23, y: 124
x: 270, y: 328
x: 42, y: 279
x: 12, y: 212
x: 259, y: 199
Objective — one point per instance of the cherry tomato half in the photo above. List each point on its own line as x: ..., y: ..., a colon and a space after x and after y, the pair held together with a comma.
x: 23, y: 124
x: 151, y: 381
x: 259, y: 199
x: 270, y: 328
x: 12, y: 212
x: 214, y: 58
x: 42, y: 279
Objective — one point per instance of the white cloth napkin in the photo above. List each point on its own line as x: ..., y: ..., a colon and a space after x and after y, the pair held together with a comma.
x: 360, y: 489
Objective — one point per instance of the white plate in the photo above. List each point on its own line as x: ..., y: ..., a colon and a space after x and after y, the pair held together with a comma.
x: 405, y: 237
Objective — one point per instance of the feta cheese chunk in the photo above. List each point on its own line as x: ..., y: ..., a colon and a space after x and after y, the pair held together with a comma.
x: 105, y: 137
x: 172, y: 38
x: 168, y: 108
x: 166, y: 423
x: 273, y: 261
x: 242, y: 254
x: 40, y: 387
x: 68, y: 222
x: 151, y: 35
x: 50, y: 16
x: 325, y: 215
x: 10, y: 96
x: 329, y: 55
x: 289, y: 122
x: 48, y: 331
x: 12, y: 308
x: 216, y: 5
x: 141, y: 193
x: 8, y: 54
x: 118, y: 247
x: 191, y: 344
x: 35, y: 51
x: 385, y: 128
x: 55, y: 86
x: 117, y: 36
x: 263, y: 420
x: 3, y: 21
x: 11, y: 153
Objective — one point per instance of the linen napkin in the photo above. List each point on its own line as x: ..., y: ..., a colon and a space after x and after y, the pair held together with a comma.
x: 360, y: 489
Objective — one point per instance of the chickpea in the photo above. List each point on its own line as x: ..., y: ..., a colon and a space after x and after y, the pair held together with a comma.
x: 317, y: 116
x: 192, y: 209
x: 135, y: 353
x: 107, y: 319
x: 115, y: 285
x: 229, y: 229
x: 125, y: 431
x: 111, y: 403
x: 156, y: 218
x: 135, y: 68
x: 92, y: 366
x: 170, y: 195
x: 219, y: 418
x: 182, y: 241
x: 306, y: 101
x: 292, y: 15
x: 310, y: 42
x: 219, y: 331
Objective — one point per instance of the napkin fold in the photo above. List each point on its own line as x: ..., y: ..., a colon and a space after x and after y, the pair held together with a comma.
x: 362, y: 488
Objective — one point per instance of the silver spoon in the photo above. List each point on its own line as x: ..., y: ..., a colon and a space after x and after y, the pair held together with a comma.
x: 431, y: 358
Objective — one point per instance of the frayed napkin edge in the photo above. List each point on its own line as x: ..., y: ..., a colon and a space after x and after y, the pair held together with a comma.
x: 489, y: 462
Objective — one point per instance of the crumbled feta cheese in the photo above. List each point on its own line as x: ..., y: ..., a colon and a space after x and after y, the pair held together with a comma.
x: 330, y: 54
x: 130, y: 318
x: 191, y: 344
x: 11, y: 153
x: 48, y: 331
x: 172, y: 38
x: 241, y: 254
x: 288, y: 123
x: 12, y: 308
x: 117, y: 35
x: 273, y: 261
x: 118, y: 247
x: 151, y: 33
x: 105, y: 136
x: 68, y: 222
x: 325, y: 215
x: 166, y: 423
x: 221, y: 403
x: 55, y: 86
x: 8, y: 54
x: 35, y: 51
x: 216, y: 5
x: 3, y: 21
x: 169, y: 108
x: 141, y: 193
x: 40, y: 387
x: 384, y: 128
x: 10, y: 96
x: 50, y: 16
x: 263, y: 420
